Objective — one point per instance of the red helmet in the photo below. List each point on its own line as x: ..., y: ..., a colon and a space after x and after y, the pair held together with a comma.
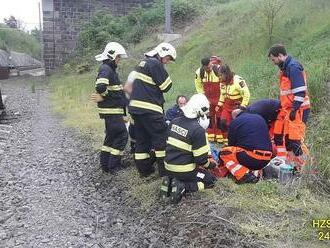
x: 216, y: 60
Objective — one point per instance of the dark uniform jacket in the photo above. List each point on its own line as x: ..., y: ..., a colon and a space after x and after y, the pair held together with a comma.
x: 267, y: 108
x: 108, y: 85
x: 249, y: 131
x: 187, y: 146
x: 150, y: 83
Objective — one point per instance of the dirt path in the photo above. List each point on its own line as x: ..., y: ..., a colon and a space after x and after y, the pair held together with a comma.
x: 52, y: 195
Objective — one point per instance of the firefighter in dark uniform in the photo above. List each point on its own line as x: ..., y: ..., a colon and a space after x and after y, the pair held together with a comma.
x: 187, y: 152
x: 146, y: 108
x: 111, y: 102
x: 249, y: 147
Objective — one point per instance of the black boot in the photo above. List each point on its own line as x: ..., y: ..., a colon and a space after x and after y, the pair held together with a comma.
x: 165, y: 188
x: 178, y: 190
x: 248, y: 178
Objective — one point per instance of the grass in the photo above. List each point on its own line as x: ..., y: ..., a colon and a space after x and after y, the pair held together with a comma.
x: 19, y: 41
x: 236, y: 31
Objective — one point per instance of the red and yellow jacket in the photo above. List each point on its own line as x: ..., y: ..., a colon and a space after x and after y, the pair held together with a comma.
x: 234, y: 94
x: 209, y: 85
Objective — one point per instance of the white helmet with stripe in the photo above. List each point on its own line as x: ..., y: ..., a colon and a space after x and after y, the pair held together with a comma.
x: 163, y: 49
x: 197, y: 106
x: 111, y: 51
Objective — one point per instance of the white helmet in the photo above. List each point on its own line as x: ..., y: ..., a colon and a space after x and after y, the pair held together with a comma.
x: 111, y: 50
x: 197, y: 106
x: 163, y: 49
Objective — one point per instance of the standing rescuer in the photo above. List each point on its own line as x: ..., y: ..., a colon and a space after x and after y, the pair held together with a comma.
x: 187, y: 152
x: 146, y: 108
x: 208, y: 83
x: 111, y: 102
x: 289, y: 128
x: 234, y: 94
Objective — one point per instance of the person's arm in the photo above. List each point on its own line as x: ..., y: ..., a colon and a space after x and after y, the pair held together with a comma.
x: 298, y: 86
x: 244, y: 92
x: 232, y: 134
x: 102, y: 81
x: 198, y: 82
x: 201, y: 149
x: 222, y: 95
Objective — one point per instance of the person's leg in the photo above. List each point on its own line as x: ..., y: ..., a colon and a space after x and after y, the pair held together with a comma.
x: 158, y: 133
x: 279, y: 135
x: 142, y: 156
x: 118, y: 141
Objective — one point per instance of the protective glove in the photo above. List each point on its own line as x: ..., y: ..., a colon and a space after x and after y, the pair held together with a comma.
x: 95, y: 97
x: 292, y: 115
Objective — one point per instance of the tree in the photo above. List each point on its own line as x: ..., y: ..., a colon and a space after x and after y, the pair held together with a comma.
x: 36, y: 33
x: 12, y: 22
x: 270, y: 10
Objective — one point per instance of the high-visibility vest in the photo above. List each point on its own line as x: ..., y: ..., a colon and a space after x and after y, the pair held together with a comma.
x: 287, y: 93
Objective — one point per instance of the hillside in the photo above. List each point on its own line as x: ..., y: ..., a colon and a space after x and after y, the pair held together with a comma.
x: 237, y: 31
x: 19, y: 41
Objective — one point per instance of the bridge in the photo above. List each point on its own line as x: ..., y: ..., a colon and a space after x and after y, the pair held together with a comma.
x: 63, y: 19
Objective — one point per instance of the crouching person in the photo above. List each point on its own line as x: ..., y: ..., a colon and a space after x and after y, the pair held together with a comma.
x: 187, y: 152
x: 249, y: 147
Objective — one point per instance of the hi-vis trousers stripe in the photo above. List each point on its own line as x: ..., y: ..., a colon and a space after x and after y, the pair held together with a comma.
x: 146, y: 105
x: 180, y: 167
x: 111, y: 150
x: 141, y: 156
x: 112, y: 111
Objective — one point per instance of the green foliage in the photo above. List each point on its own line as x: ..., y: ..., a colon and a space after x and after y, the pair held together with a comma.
x: 135, y: 26
x: 19, y: 41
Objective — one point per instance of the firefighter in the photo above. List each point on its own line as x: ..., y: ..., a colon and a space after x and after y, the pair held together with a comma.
x: 208, y: 83
x: 249, y: 147
x: 187, y: 152
x: 176, y: 110
x: 111, y: 102
x: 289, y: 129
x: 146, y: 108
x: 234, y: 94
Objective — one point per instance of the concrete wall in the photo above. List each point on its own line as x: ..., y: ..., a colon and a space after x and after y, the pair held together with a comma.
x: 63, y: 19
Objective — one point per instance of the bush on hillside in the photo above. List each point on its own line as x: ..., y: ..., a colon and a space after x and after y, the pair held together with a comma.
x: 133, y: 27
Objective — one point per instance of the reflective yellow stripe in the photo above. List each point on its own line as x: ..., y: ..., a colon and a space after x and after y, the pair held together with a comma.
x: 160, y: 154
x: 179, y: 144
x: 102, y: 81
x: 111, y: 150
x: 164, y: 85
x: 144, y: 78
x: 111, y: 110
x: 200, y: 186
x: 180, y: 167
x: 141, y: 156
x: 202, y: 150
x: 146, y: 105
x: 115, y: 87
x: 234, y: 97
